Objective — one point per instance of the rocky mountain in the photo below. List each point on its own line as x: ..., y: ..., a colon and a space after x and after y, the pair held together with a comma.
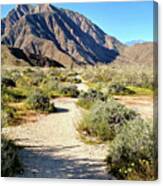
x: 17, y: 57
x: 13, y: 16
x: 8, y: 59
x: 61, y: 35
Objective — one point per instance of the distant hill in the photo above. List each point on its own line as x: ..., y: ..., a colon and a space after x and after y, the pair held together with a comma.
x: 134, y: 42
x: 61, y: 35
x: 144, y: 53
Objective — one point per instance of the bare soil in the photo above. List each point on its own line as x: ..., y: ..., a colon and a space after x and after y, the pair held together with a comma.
x: 142, y: 104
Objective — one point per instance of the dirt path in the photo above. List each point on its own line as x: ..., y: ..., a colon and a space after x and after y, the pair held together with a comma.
x: 52, y: 148
x: 82, y: 86
x: 141, y: 104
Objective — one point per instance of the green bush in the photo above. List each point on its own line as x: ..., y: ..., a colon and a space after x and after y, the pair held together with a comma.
x: 105, y: 119
x: 8, y: 82
x: 139, y: 75
x: 35, y: 78
x: 54, y: 72
x: 51, y: 83
x: 132, y: 153
x: 87, y: 99
x: 10, y: 164
x: 38, y: 101
x: 24, y: 81
x: 15, y: 75
x: 28, y: 70
x: 119, y: 89
x: 14, y: 94
x: 69, y: 90
x: 31, y: 78
x: 7, y: 116
x: 72, y: 73
x: 50, y: 86
x: 73, y: 80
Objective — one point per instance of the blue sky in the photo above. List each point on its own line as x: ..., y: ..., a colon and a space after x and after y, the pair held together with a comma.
x: 124, y: 20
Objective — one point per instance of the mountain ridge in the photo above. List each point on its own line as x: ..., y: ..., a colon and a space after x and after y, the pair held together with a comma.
x: 134, y: 42
x: 63, y: 35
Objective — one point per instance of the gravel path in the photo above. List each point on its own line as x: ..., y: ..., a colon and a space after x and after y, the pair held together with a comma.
x: 53, y: 150
x: 83, y: 85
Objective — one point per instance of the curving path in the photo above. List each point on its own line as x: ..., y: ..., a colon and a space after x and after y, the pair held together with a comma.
x: 53, y: 150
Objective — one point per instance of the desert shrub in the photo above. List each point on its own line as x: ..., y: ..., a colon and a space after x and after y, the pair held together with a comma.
x: 146, y: 81
x: 69, y: 90
x: 54, y: 72
x: 139, y: 79
x: 132, y: 154
x: 63, y: 78
x: 72, y: 74
x: 127, y: 74
x: 18, y: 93
x: 38, y: 101
x: 7, y: 116
x: 14, y: 94
x: 73, y: 80
x: 10, y: 164
x: 31, y: 78
x: 36, y: 77
x: 141, y: 91
x: 8, y: 82
x: 87, y: 99
x: 51, y: 84
x: 99, y: 86
x: 14, y: 74
x: 105, y: 119
x: 119, y: 89
x: 84, y: 103
x: 28, y: 70
x: 37, y: 80
x: 50, y: 87
x: 6, y: 96
x: 24, y: 81
x: 99, y: 74
x: 76, y: 80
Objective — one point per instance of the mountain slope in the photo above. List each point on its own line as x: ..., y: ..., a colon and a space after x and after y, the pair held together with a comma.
x: 63, y: 35
x: 8, y: 59
x: 16, y: 57
x: 144, y: 53
x: 13, y: 16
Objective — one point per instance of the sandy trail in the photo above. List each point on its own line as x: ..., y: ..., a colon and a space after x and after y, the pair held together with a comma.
x: 83, y: 85
x: 142, y: 104
x: 53, y: 150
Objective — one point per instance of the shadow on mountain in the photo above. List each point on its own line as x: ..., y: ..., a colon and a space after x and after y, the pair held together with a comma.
x: 33, y: 59
x: 98, y: 52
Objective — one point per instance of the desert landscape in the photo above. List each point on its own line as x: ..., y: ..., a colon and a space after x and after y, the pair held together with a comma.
x: 77, y: 103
